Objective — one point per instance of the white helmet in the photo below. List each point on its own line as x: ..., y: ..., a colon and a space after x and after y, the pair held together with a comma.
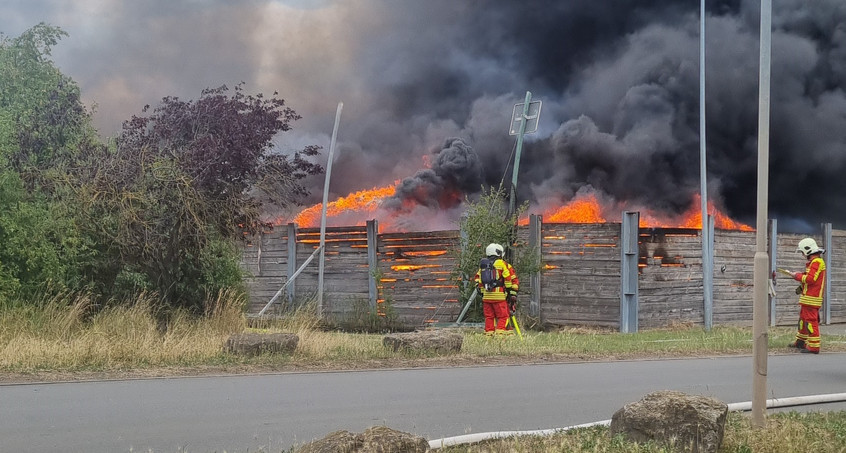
x: 494, y: 250
x: 808, y: 247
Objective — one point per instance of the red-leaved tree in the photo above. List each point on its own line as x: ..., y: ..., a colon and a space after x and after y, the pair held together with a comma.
x: 184, y: 182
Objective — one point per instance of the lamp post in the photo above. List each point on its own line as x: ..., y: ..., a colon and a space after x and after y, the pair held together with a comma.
x: 707, y: 259
x: 761, y: 270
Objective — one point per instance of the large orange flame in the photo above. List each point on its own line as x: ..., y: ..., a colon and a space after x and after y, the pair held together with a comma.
x: 361, y: 202
x: 356, y: 208
x: 579, y: 210
x: 586, y: 208
x: 692, y: 218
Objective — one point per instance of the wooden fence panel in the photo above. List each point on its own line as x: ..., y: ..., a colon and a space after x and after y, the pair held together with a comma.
x: 264, y: 261
x: 345, y: 272
x: 580, y: 284
x: 835, y: 261
x: 787, y: 302
x: 415, y: 277
x: 670, y: 281
x: 733, y: 277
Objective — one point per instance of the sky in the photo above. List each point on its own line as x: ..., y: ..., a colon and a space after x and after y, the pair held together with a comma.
x: 428, y: 89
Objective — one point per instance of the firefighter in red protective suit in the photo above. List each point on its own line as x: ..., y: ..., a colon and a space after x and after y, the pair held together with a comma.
x: 495, y: 297
x: 810, y: 297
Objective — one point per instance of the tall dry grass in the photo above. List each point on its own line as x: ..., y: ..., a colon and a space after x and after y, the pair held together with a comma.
x: 65, y: 333
x: 320, y: 345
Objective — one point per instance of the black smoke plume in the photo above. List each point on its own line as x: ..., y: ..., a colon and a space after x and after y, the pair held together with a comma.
x: 619, y: 81
x: 620, y: 86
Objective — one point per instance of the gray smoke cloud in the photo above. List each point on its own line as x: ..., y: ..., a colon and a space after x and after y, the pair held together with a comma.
x: 619, y: 82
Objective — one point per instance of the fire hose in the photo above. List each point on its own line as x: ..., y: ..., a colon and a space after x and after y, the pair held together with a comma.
x: 733, y: 407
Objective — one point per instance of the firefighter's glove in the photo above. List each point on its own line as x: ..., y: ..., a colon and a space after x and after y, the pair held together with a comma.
x: 512, y: 303
x: 799, y: 289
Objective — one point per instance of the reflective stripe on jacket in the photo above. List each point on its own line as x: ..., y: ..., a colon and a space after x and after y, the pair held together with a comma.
x: 813, y: 283
x: 508, y: 277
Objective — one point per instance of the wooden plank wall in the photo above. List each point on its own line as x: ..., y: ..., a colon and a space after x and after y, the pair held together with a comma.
x: 345, y: 272
x: 835, y: 261
x: 580, y: 284
x: 733, y: 277
x: 670, y: 280
x: 415, y: 276
x: 787, y: 308
x: 581, y: 281
x: 265, y: 260
x: 345, y: 276
x: 787, y: 302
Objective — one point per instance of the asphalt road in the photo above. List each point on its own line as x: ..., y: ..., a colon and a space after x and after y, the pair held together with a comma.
x: 273, y: 412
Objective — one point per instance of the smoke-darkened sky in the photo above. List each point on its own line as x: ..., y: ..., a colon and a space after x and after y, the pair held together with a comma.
x: 619, y: 81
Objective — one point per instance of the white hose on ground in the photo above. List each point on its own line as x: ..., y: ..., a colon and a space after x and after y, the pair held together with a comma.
x: 733, y: 407
x: 479, y: 437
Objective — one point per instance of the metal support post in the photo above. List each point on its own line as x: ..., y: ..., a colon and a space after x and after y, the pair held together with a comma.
x: 512, y: 207
x: 826, y: 227
x: 629, y: 255
x: 773, y: 241
x: 761, y: 277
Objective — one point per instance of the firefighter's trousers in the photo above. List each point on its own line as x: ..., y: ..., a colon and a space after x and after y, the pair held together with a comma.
x: 496, y: 315
x: 809, y: 327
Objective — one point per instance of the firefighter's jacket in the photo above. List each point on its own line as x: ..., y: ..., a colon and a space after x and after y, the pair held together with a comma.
x: 813, y: 282
x: 507, y: 278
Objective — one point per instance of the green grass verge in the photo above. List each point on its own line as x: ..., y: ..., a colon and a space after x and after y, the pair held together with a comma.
x: 786, y: 432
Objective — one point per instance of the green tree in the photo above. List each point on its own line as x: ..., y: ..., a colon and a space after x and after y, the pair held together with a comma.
x: 42, y: 119
x: 486, y: 221
x: 42, y: 122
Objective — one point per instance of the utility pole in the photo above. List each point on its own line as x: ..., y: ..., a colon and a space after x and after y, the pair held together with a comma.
x: 761, y: 270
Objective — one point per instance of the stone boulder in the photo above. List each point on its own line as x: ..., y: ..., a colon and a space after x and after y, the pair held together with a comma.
x: 685, y: 423
x: 376, y: 439
x: 439, y: 341
x: 252, y: 344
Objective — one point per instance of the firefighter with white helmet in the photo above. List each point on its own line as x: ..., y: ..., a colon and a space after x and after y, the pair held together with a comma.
x: 810, y: 290
x: 494, y: 250
x: 499, y: 284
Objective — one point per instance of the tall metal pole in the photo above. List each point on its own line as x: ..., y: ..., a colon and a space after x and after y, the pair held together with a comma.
x: 513, y: 196
x: 761, y: 271
x: 323, y: 212
x: 707, y: 261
